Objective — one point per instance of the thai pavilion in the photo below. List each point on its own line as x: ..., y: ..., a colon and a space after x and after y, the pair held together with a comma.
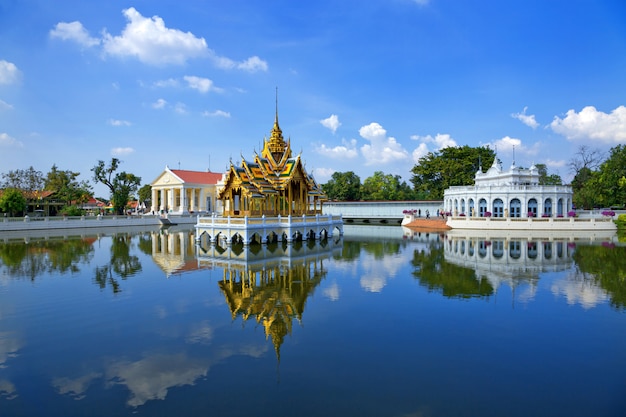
x: 270, y: 195
x: 273, y: 183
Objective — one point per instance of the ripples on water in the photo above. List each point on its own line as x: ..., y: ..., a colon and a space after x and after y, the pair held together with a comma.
x: 383, y: 322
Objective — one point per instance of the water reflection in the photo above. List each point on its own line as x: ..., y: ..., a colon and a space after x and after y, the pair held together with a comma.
x: 478, y: 267
x: 269, y: 284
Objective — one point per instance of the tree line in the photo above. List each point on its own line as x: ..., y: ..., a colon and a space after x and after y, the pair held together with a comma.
x: 23, y: 186
x: 598, y: 181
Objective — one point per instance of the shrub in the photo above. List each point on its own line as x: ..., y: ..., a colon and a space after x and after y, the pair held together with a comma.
x: 487, y: 214
x: 571, y: 213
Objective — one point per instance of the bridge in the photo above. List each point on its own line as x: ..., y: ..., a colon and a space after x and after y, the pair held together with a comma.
x: 379, y: 212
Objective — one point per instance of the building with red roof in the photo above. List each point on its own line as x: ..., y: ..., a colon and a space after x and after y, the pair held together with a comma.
x: 180, y: 191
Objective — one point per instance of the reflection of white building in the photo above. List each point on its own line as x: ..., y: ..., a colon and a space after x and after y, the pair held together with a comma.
x: 509, y: 261
x: 174, y: 250
x: 514, y: 200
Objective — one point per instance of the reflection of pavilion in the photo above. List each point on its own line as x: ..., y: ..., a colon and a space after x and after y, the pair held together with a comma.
x: 270, y: 283
x: 509, y: 260
x: 173, y: 250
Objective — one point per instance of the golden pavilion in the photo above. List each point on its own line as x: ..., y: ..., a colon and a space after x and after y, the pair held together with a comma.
x: 269, y: 198
x: 274, y: 183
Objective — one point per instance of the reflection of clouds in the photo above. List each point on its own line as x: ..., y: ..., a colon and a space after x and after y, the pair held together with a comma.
x: 579, y: 291
x: 7, y: 389
x: 201, y: 333
x: 151, y: 377
x: 528, y: 293
x: 332, y: 292
x: 379, y: 269
x: 9, y: 345
x: 373, y: 283
x: 75, y: 387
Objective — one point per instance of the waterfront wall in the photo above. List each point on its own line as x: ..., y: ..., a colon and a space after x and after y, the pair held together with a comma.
x: 390, y: 212
x: 82, y: 222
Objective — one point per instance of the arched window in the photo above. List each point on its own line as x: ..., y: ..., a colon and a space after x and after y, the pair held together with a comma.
x: 471, y: 207
x: 482, y: 207
x: 462, y: 210
x: 532, y: 207
x: 547, y: 207
x: 515, y: 208
x: 498, y: 208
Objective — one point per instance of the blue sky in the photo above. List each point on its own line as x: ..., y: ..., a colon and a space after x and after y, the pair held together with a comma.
x: 363, y: 86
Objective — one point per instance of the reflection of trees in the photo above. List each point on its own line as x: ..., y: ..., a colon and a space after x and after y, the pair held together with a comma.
x: 434, y: 273
x: 45, y: 256
x: 145, y: 243
x: 272, y: 295
x: 351, y: 249
x: 122, y: 265
x: 606, y: 265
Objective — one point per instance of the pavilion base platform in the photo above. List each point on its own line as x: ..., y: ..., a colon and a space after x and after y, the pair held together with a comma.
x: 264, y: 229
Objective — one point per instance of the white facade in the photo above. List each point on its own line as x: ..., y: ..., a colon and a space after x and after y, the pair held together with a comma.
x: 177, y: 191
x: 515, y: 193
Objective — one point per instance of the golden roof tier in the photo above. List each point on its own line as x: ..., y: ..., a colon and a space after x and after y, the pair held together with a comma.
x: 273, y: 183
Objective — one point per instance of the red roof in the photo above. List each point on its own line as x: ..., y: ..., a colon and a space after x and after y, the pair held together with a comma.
x: 197, y: 177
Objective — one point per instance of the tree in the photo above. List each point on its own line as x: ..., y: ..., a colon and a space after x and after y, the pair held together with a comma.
x: 23, y: 179
x: 385, y: 187
x: 66, y: 186
x: 545, y: 179
x: 121, y: 185
x: 145, y: 193
x: 343, y: 186
x: 612, y: 178
x: 12, y: 201
x: 448, y: 167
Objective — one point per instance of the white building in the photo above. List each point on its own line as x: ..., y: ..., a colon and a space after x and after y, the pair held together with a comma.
x: 179, y: 191
x: 512, y: 193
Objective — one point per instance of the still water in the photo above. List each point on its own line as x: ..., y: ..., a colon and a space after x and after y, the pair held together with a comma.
x: 381, y: 322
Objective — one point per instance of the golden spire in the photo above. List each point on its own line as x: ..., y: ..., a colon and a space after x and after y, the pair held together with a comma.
x: 276, y: 147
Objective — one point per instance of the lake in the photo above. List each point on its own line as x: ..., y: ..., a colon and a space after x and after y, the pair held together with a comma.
x: 380, y: 322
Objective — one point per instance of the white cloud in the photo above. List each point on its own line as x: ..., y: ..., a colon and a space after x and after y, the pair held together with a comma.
x: 74, y: 31
x: 419, y: 152
x: 440, y: 140
x: 345, y: 151
x: 592, y: 124
x: 5, y: 106
x: 150, y: 41
x: 121, y: 151
x: 180, y: 108
x: 159, y: 104
x: 203, y: 85
x: 527, y: 119
x: 382, y: 149
x: 331, y: 122
x: 115, y: 122
x: 216, y: 113
x: 322, y: 175
x: 170, y: 82
x: 253, y: 64
x: 6, y: 140
x: 9, y: 73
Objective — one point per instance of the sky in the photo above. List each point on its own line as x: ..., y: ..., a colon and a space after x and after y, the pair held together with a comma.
x: 360, y: 86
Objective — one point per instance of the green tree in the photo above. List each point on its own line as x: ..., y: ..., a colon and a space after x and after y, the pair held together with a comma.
x: 448, y: 167
x: 121, y: 184
x: 66, y: 186
x: 385, y: 187
x: 12, y: 201
x: 545, y: 179
x: 145, y: 193
x: 23, y: 179
x: 343, y: 186
x: 613, y: 178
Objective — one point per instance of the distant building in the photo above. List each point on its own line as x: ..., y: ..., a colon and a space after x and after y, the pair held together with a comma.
x: 179, y: 191
x: 512, y: 193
